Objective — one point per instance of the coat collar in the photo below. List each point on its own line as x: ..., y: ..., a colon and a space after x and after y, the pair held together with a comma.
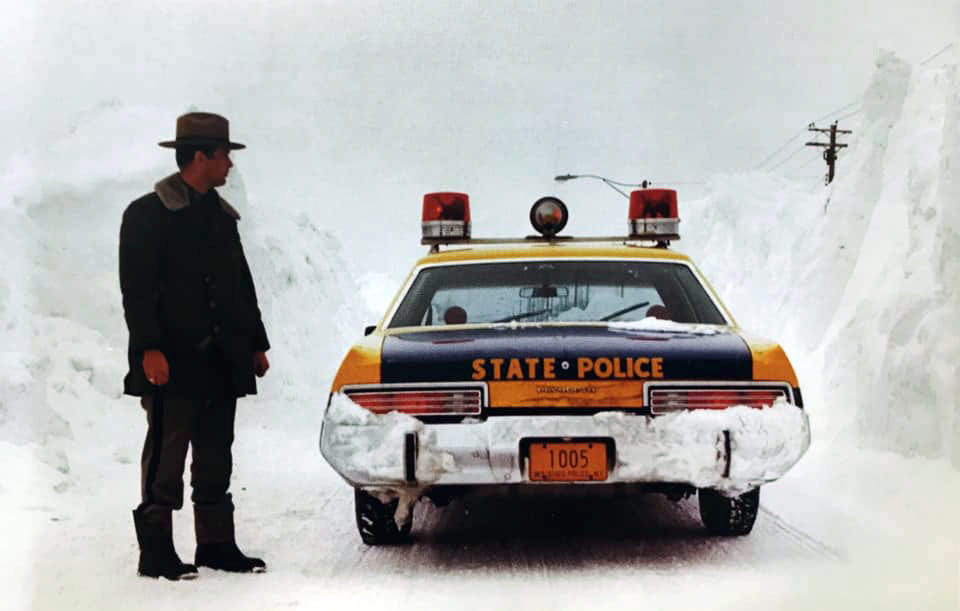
x: 175, y: 195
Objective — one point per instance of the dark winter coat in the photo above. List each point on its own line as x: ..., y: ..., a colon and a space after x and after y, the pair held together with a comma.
x: 188, y: 292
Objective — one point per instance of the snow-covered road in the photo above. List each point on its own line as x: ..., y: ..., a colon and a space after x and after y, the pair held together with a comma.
x: 476, y: 552
x: 480, y: 552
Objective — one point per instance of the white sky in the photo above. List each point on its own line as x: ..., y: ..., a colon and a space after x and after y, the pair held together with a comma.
x: 353, y: 109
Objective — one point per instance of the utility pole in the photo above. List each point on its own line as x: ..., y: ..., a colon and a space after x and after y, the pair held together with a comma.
x: 830, y: 154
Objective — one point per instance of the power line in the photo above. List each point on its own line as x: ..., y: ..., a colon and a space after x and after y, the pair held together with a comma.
x: 803, y: 131
x: 936, y: 55
x: 849, y: 114
x: 802, y: 165
x: 795, y: 153
x: 811, y: 160
x: 782, y: 147
x: 828, y: 154
x: 841, y: 109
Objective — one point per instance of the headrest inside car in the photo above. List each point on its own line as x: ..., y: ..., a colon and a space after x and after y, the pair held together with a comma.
x: 455, y: 315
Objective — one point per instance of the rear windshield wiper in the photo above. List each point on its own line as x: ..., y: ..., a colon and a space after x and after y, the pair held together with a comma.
x: 523, y: 315
x: 636, y: 306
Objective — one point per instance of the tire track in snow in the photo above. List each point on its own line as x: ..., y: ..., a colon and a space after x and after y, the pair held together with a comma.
x: 805, y: 540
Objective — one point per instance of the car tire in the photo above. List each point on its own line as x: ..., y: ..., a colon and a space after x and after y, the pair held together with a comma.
x: 728, y: 516
x: 375, y: 520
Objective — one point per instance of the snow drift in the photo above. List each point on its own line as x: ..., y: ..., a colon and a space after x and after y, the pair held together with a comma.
x: 859, y: 279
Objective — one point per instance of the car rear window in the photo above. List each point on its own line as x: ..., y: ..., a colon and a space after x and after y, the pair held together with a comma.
x: 555, y: 291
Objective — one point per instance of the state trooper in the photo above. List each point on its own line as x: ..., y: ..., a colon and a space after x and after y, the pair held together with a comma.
x: 197, y: 340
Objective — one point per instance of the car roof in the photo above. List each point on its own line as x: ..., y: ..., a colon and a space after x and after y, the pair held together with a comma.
x: 546, y: 250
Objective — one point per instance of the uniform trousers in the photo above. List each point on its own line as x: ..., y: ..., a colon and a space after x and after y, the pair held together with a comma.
x: 175, y: 424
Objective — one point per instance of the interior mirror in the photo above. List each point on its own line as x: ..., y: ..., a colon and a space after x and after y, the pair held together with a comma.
x: 544, y: 292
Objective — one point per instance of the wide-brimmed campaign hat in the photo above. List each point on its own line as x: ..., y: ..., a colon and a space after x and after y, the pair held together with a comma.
x: 202, y: 128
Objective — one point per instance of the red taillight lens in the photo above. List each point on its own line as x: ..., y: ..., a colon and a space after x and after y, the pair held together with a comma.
x: 458, y: 402
x: 663, y: 400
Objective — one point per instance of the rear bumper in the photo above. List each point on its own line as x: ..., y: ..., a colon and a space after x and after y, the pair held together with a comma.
x: 733, y: 450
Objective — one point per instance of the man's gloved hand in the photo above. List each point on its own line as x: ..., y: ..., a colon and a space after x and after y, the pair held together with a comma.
x: 156, y: 367
x: 260, y: 363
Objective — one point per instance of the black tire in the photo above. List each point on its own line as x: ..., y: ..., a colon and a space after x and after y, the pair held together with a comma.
x: 729, y: 516
x: 375, y: 520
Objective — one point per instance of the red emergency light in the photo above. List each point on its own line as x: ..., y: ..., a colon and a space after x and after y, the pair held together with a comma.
x: 445, y: 216
x: 653, y: 214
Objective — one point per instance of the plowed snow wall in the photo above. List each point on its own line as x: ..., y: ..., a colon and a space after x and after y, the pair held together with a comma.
x: 859, y: 280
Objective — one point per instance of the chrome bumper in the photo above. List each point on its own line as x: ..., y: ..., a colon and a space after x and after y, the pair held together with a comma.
x: 733, y: 450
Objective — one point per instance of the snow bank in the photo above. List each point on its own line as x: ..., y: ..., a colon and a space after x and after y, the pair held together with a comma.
x: 902, y: 295
x: 63, y: 352
x: 858, y: 280
x: 60, y: 243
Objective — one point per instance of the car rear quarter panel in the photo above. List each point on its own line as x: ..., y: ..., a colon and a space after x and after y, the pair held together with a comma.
x: 362, y: 363
x: 770, y: 362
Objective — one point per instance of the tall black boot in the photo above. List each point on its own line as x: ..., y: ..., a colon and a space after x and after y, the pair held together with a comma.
x: 216, y: 542
x: 158, y: 558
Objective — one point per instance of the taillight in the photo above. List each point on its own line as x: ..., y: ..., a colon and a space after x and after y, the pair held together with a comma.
x: 452, y: 402
x: 667, y: 399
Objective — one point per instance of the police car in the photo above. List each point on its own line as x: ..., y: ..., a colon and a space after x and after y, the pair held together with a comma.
x: 552, y: 361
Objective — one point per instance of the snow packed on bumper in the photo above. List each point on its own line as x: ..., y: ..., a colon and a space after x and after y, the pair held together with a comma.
x: 367, y: 447
x: 684, y: 447
x: 364, y: 446
x: 688, y: 446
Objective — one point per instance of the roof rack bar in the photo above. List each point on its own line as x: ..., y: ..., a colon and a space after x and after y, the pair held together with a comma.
x: 654, y: 237
x: 662, y: 240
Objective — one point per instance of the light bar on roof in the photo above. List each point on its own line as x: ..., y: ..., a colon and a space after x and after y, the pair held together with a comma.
x: 654, y: 215
x: 446, y: 216
x: 548, y: 215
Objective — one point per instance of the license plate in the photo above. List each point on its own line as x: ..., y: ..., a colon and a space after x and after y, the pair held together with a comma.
x: 567, y: 461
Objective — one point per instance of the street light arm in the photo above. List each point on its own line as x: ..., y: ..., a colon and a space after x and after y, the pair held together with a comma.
x: 609, y: 183
x: 643, y: 184
x: 606, y: 181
